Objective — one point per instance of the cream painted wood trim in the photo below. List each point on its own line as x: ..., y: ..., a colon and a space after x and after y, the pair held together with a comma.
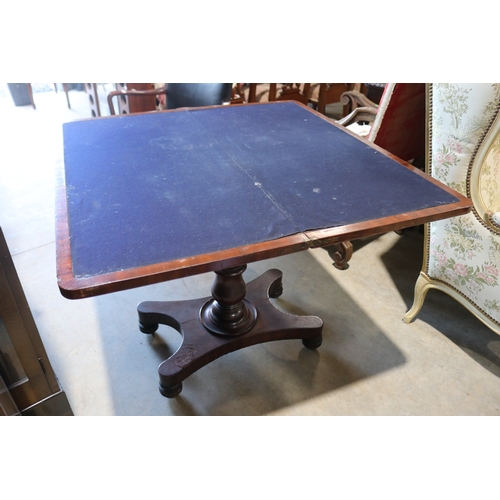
x: 382, y: 108
x: 428, y: 166
x: 474, y: 177
x: 424, y: 284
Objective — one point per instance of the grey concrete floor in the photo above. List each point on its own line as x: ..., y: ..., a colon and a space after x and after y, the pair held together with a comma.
x: 370, y: 363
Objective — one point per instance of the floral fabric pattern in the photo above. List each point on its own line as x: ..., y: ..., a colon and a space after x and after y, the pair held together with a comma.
x: 462, y: 251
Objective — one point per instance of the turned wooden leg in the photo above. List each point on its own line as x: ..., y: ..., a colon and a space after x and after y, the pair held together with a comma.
x: 228, y: 313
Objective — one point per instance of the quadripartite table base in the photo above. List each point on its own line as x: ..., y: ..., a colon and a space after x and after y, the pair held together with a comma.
x: 237, y: 315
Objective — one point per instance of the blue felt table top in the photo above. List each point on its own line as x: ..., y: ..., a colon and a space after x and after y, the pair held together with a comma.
x: 150, y: 188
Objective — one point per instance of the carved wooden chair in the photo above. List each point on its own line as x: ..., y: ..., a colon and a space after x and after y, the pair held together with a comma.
x: 290, y: 92
x: 462, y: 254
x: 323, y: 94
x: 361, y: 109
x: 318, y: 95
x: 266, y: 92
x: 182, y: 95
x: 397, y: 124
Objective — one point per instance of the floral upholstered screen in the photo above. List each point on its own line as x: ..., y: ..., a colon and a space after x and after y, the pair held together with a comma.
x: 463, y: 253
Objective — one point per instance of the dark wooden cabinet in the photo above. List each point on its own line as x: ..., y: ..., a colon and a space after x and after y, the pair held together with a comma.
x: 28, y: 385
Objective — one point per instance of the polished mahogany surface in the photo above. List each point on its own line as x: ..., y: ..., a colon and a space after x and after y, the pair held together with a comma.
x: 150, y: 197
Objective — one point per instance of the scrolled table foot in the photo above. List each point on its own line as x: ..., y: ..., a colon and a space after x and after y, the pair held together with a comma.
x: 170, y: 392
x: 313, y: 343
x: 342, y: 255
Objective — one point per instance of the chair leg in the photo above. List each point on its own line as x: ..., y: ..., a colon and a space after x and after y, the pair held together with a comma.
x: 321, y: 98
x: 272, y: 92
x: 422, y: 286
x: 65, y: 87
x: 252, y: 92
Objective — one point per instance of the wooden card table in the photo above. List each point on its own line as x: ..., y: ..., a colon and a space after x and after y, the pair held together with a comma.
x: 152, y: 197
